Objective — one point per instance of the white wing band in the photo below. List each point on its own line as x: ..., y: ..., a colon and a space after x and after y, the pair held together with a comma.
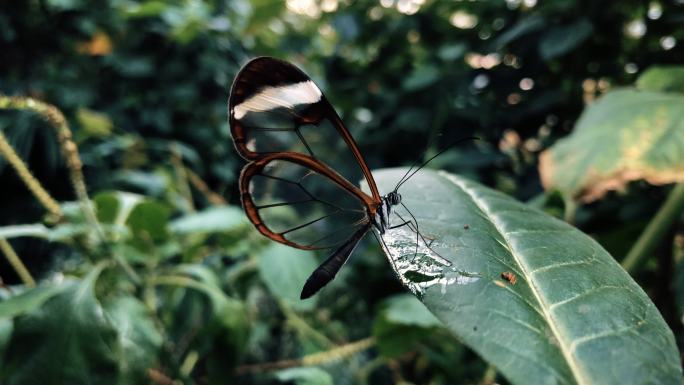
x: 271, y: 98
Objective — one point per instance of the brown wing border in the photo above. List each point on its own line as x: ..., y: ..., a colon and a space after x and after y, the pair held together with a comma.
x: 317, y: 112
x: 255, y: 167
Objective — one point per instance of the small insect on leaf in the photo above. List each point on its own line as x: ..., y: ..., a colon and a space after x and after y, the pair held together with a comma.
x: 510, y: 277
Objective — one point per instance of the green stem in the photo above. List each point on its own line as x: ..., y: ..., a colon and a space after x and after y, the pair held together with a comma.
x: 489, y: 376
x: 656, y: 230
x: 294, y: 320
x: 34, y: 230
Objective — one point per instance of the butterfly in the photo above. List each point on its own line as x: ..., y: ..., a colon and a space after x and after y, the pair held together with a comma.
x: 284, y: 126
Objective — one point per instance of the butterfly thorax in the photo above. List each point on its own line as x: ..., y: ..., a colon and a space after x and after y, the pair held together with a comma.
x: 381, y: 220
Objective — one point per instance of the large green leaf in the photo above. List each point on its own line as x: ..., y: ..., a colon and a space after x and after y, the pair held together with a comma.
x: 537, y: 298
x: 624, y: 136
x: 662, y: 78
x: 68, y: 340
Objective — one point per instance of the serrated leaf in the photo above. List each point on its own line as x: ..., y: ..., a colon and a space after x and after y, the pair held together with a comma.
x: 662, y: 78
x: 66, y: 341
x: 284, y: 270
x: 531, y: 294
x: 624, y: 136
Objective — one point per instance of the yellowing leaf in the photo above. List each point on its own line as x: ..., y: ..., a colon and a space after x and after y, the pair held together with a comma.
x: 626, y: 135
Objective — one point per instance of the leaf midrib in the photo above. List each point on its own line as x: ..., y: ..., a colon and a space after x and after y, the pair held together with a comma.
x: 564, y: 345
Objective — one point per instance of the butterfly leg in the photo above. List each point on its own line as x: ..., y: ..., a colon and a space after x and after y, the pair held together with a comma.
x: 413, y: 226
x: 399, y: 225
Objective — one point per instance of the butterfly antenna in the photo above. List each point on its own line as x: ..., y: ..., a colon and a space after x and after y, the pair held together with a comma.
x: 408, y: 176
x: 427, y: 146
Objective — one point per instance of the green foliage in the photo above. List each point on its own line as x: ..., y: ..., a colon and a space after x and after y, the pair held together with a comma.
x: 67, y: 340
x: 304, y: 376
x: 662, y: 78
x: 170, y: 285
x: 283, y: 270
x: 401, y: 324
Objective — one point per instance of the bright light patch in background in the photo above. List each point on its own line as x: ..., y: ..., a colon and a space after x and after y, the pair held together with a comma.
x: 375, y: 13
x: 304, y: 7
x: 526, y: 84
x: 329, y: 5
x: 409, y: 7
x: 463, y: 20
x: 529, y: 3
x: 635, y: 29
x: 668, y: 42
x: 655, y: 10
x: 475, y: 60
x: 481, y: 81
x: 631, y: 68
x: 363, y: 115
x: 513, y: 4
x: 513, y: 98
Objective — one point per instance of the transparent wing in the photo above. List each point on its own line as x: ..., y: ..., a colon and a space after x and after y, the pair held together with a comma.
x: 274, y: 107
x: 294, y: 199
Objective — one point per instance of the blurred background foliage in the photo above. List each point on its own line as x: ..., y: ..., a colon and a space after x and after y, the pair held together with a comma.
x: 144, y: 86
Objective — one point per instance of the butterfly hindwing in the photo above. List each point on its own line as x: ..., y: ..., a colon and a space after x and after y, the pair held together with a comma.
x: 297, y: 201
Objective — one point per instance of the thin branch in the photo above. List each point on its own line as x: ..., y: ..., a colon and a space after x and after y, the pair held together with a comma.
x: 56, y: 120
x: 181, y: 176
x: 326, y: 357
x: 202, y: 187
x: 656, y: 229
x: 38, y: 191
x: 295, y: 321
x: 16, y: 263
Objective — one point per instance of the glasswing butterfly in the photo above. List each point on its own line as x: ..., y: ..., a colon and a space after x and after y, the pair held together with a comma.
x: 285, y: 127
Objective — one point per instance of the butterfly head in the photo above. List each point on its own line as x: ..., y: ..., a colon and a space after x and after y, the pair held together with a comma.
x: 394, y: 198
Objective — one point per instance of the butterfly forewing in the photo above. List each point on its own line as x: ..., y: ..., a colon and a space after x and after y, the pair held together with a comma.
x: 297, y: 188
x: 274, y: 107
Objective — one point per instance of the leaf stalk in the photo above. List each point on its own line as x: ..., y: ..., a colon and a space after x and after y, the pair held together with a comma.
x: 656, y: 229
